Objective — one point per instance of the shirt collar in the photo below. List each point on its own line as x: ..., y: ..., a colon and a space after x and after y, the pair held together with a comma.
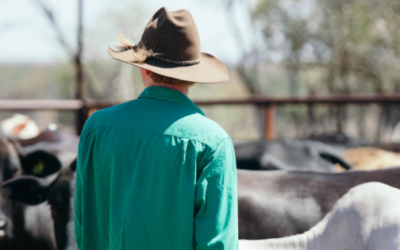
x: 170, y: 95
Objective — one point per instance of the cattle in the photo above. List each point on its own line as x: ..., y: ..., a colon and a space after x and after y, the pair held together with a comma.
x: 274, y: 204
x: 60, y: 191
x: 61, y: 143
x: 367, y: 217
x: 289, y: 155
x: 30, y: 227
x: 23, y: 227
x: 24, y: 150
x: 59, y: 194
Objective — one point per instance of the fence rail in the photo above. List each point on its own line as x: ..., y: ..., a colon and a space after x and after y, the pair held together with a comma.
x: 41, y: 104
x: 266, y: 105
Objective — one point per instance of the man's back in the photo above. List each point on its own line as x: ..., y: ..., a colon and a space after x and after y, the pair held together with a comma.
x: 156, y: 174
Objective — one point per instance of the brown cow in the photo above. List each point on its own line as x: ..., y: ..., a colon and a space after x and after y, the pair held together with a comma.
x: 368, y: 158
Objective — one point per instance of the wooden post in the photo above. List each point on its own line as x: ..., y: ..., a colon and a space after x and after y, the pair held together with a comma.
x: 78, y: 55
x: 261, y: 122
x: 80, y: 114
x: 269, y: 122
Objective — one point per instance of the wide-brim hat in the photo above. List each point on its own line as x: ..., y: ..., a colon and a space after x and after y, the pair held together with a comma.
x: 175, y: 41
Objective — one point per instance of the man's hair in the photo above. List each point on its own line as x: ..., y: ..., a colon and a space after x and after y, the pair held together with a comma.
x: 164, y: 79
x: 140, y: 53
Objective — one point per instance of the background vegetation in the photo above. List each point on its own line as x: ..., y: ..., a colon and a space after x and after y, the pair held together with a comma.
x: 296, y: 48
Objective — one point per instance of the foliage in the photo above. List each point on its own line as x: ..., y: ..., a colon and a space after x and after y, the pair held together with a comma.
x: 336, y: 46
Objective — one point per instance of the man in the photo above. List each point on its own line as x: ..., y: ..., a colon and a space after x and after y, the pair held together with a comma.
x: 155, y: 173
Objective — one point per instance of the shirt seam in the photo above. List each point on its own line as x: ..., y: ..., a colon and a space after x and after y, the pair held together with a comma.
x: 156, y: 132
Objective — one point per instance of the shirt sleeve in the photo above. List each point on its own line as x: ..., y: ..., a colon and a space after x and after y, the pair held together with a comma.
x: 216, y: 208
x: 78, y: 201
x: 85, y: 142
x: 78, y: 210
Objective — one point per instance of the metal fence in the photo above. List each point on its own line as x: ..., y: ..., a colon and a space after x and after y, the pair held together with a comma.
x: 265, y: 105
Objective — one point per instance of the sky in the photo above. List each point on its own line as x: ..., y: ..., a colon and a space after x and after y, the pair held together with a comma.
x: 26, y: 36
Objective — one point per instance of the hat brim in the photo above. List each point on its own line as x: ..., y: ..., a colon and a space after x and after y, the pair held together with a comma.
x: 209, y: 70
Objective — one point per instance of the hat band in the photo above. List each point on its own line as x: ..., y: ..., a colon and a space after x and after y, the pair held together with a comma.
x: 194, y: 62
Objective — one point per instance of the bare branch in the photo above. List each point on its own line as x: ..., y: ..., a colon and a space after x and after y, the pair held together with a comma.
x: 80, y: 28
x: 78, y: 55
x: 60, y: 36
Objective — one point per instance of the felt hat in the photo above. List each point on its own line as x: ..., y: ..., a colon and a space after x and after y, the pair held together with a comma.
x: 174, y: 41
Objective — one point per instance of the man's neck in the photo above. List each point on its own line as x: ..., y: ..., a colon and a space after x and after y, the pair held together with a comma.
x: 183, y: 89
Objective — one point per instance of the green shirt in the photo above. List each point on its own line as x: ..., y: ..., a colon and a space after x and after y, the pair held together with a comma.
x: 155, y: 173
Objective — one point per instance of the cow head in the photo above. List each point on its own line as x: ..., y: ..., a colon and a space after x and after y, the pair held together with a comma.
x: 13, y: 164
x: 59, y: 194
x: 40, y: 164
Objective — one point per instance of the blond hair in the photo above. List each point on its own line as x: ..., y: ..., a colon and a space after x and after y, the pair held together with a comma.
x: 140, y: 54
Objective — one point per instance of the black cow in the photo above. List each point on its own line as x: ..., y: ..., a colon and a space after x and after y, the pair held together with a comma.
x: 20, y: 225
x: 288, y: 155
x: 59, y: 194
x: 61, y: 143
x: 274, y: 204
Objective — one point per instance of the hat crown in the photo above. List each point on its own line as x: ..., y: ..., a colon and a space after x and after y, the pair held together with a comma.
x: 173, y: 34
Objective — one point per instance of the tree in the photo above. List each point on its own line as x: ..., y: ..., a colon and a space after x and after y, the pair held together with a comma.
x: 352, y: 42
x: 76, y: 54
x: 344, y: 46
x: 246, y: 66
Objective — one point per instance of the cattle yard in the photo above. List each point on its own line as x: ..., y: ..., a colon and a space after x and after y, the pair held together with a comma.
x: 312, y: 172
x: 266, y: 107
x: 306, y: 171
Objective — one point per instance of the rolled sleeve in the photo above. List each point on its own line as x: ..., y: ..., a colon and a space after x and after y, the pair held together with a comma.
x: 216, y: 216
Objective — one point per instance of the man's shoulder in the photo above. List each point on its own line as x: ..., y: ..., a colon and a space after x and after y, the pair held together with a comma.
x: 182, y: 122
x: 104, y: 116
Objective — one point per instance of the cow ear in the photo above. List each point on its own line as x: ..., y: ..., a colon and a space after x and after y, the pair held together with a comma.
x: 40, y: 164
x: 28, y: 189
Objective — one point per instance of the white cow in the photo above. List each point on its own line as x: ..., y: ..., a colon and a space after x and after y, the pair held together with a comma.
x: 365, y: 218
